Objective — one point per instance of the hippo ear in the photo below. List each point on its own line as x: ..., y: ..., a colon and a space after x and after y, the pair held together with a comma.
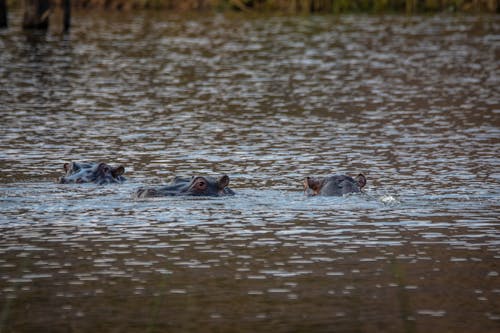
x: 223, y: 181
x: 361, y: 180
x: 312, y: 183
x: 118, y: 171
x: 67, y: 167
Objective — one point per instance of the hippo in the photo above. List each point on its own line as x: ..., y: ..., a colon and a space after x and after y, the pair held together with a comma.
x: 336, y: 185
x: 194, y: 186
x: 98, y: 173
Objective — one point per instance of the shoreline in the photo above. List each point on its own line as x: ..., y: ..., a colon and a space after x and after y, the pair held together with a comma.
x: 289, y: 7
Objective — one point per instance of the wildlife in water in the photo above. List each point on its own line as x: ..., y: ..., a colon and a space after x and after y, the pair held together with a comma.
x: 194, y: 186
x: 335, y: 185
x: 98, y: 173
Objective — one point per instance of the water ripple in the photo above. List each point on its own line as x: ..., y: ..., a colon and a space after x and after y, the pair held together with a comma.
x: 412, y: 102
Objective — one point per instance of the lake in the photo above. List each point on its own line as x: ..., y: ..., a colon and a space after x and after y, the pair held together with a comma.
x: 412, y: 102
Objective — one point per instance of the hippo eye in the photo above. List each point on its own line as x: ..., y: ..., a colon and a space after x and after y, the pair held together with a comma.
x: 201, y: 184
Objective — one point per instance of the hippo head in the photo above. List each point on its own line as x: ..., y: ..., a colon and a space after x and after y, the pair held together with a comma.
x: 210, y: 186
x: 197, y: 186
x: 336, y: 185
x: 99, y: 173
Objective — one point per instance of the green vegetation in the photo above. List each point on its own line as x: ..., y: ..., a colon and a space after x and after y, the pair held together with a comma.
x: 297, y: 6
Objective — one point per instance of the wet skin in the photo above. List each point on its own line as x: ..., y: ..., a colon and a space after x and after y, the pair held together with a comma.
x: 336, y: 185
x: 98, y: 173
x: 194, y: 186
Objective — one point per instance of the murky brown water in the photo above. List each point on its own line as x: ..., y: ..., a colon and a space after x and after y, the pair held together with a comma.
x: 412, y: 102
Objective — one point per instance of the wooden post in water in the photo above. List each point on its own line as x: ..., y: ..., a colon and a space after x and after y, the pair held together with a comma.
x: 36, y: 14
x: 67, y: 15
x: 3, y: 14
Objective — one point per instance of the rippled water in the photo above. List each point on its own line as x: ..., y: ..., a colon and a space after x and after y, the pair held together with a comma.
x: 412, y: 102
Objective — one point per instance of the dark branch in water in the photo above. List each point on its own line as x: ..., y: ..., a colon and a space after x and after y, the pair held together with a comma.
x: 36, y: 14
x: 67, y: 15
x: 3, y: 14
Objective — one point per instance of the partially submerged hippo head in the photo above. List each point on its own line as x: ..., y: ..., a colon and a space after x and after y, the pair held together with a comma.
x: 194, y: 186
x: 336, y: 185
x: 98, y: 173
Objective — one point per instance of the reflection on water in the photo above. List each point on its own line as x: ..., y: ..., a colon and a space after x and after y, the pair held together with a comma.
x: 412, y: 102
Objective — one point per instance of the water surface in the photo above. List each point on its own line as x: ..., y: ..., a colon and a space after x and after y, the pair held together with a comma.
x: 412, y: 102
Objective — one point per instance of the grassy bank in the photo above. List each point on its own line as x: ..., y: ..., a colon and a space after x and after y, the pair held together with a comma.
x: 296, y: 6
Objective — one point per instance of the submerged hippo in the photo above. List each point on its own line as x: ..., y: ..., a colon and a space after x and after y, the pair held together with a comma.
x: 336, y: 185
x: 196, y: 185
x: 98, y: 173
